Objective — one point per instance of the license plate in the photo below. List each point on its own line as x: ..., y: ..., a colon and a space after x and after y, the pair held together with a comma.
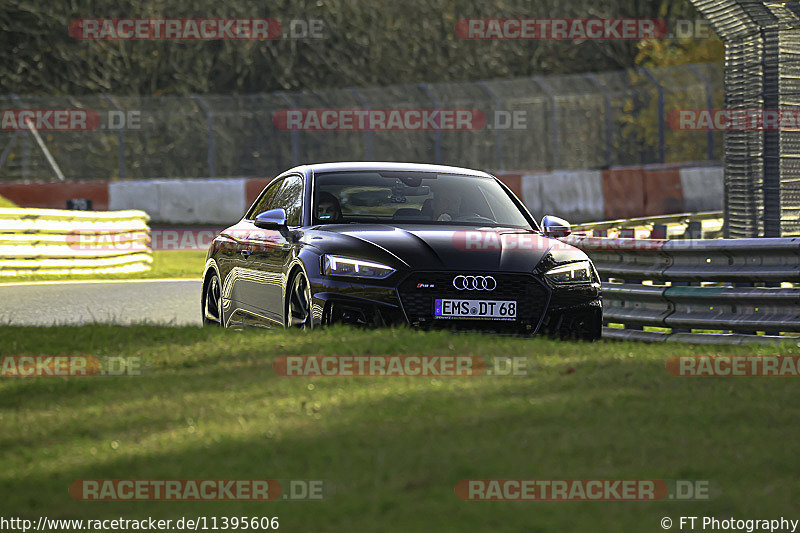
x: 475, y: 309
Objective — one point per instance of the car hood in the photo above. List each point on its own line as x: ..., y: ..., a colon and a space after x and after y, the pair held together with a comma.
x: 427, y: 247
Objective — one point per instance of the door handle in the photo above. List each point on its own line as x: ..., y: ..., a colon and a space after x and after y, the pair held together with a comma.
x: 245, y: 253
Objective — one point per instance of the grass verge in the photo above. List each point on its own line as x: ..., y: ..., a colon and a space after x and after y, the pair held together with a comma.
x: 209, y: 405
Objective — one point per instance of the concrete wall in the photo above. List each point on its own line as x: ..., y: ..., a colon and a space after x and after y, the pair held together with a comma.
x: 576, y: 195
x: 703, y: 188
x: 191, y: 201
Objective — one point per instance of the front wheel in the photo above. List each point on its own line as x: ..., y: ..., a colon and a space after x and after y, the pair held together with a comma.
x: 298, y: 305
x: 212, y: 303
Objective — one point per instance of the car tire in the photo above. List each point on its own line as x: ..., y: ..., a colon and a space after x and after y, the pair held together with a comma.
x: 298, y: 302
x: 212, y: 303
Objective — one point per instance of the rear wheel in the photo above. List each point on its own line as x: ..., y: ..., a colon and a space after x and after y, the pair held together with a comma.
x: 212, y: 303
x: 298, y: 305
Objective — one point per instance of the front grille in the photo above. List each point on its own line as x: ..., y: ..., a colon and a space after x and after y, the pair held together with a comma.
x: 530, y: 294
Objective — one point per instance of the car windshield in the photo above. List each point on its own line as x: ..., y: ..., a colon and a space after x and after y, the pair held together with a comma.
x: 413, y: 197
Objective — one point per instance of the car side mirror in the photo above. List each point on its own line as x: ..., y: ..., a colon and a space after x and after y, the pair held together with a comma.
x: 271, y: 219
x: 555, y: 227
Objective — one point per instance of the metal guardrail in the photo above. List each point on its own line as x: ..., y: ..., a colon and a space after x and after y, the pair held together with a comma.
x: 747, y: 290
x: 680, y: 218
x: 707, y: 225
x: 54, y: 241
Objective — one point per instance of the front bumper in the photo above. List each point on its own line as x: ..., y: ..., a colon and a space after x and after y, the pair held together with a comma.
x: 408, y: 298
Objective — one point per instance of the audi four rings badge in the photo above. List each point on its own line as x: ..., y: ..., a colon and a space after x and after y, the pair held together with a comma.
x: 474, y: 283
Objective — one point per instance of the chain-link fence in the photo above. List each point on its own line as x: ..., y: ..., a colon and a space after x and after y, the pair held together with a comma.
x: 762, y: 69
x: 554, y: 122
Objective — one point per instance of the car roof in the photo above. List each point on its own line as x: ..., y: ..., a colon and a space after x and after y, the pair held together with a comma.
x: 377, y: 165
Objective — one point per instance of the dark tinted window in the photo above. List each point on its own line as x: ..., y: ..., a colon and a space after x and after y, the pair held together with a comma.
x: 264, y: 201
x: 290, y: 198
x: 414, y: 197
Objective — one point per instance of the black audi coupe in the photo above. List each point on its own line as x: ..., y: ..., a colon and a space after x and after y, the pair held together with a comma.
x: 382, y: 244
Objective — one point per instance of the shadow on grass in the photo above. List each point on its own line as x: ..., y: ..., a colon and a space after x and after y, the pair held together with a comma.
x: 393, y: 449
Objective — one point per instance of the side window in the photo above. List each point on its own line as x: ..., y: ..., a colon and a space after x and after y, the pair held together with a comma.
x: 264, y: 202
x: 290, y: 198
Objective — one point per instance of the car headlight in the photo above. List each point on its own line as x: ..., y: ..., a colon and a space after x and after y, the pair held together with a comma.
x: 578, y: 272
x: 335, y: 265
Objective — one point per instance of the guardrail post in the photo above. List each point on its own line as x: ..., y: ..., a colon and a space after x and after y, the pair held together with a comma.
x: 694, y: 230
x: 746, y: 284
x: 630, y: 233
x: 600, y: 233
x: 120, y: 140
x: 437, y: 147
x: 210, y: 143
x: 661, y: 132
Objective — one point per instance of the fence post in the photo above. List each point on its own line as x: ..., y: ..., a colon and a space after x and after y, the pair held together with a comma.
x: 607, y: 100
x: 7, y: 150
x: 26, y: 144
x: 774, y: 153
x: 295, y: 134
x: 212, y: 150
x: 120, y: 140
x: 437, y: 148
x: 660, y: 88
x: 498, y: 139
x: 555, y: 126
x: 709, y: 105
x: 367, y: 132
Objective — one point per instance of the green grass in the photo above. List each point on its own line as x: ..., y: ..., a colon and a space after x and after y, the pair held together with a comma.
x: 209, y: 405
x: 166, y: 264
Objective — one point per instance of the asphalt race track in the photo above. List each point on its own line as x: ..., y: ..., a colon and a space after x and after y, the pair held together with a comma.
x: 165, y: 302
